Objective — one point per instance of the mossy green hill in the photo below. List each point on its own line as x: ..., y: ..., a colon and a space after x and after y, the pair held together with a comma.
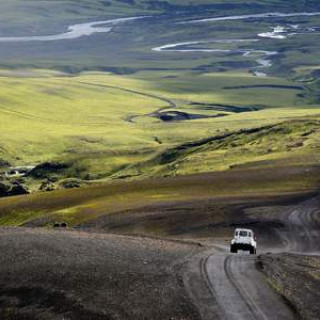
x: 109, y: 107
x: 107, y: 126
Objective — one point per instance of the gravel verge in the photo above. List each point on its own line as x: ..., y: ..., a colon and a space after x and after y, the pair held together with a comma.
x: 297, y: 279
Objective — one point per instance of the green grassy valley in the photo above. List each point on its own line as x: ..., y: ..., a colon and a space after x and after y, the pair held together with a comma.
x: 162, y: 96
x: 159, y: 159
x: 106, y: 126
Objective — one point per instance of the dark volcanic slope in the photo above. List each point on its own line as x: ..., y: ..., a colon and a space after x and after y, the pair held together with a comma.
x: 297, y: 278
x: 206, y: 218
x: 68, y: 275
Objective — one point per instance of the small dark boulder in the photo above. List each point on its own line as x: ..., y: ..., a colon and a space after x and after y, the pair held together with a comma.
x: 47, y: 169
x: 12, y: 189
x: 47, y: 186
x: 295, y: 144
x: 4, y: 189
x: 70, y: 183
x: 18, y: 189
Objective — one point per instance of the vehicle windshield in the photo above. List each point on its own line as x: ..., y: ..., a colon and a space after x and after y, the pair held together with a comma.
x: 243, y: 233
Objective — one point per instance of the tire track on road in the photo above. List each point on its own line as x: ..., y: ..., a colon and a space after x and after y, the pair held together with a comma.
x: 250, y: 303
x: 238, y: 289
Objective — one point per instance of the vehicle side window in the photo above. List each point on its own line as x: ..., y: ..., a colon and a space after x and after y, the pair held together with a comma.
x: 237, y: 233
x: 250, y: 234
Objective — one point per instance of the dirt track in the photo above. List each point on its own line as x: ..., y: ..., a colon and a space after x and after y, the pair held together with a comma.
x: 75, y: 275
x: 237, y: 289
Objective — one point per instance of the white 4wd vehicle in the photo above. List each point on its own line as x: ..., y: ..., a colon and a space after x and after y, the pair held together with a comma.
x: 243, y: 239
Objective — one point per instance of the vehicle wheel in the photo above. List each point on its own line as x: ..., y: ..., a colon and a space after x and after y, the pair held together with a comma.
x: 233, y: 249
x: 252, y: 250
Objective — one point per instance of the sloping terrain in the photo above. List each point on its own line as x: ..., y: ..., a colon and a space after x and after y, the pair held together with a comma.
x: 101, y: 126
x: 60, y: 274
x: 297, y: 278
x: 136, y: 135
x: 288, y: 143
x: 216, y: 96
x: 119, y: 201
x: 81, y: 276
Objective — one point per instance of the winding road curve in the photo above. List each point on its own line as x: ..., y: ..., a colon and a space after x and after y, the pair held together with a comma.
x: 229, y: 286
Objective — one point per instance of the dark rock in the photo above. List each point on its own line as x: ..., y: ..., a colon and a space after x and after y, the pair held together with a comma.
x: 167, y: 116
x: 295, y: 144
x: 47, y: 186
x: 70, y: 183
x: 13, y: 189
x: 4, y: 189
x: 46, y: 169
x: 18, y: 189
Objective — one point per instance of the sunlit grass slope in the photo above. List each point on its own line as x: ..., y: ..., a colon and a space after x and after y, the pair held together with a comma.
x: 106, y: 123
x: 83, y: 205
x: 44, y: 118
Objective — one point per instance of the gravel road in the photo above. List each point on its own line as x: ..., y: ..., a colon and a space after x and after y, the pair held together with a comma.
x: 76, y: 275
x: 230, y: 286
